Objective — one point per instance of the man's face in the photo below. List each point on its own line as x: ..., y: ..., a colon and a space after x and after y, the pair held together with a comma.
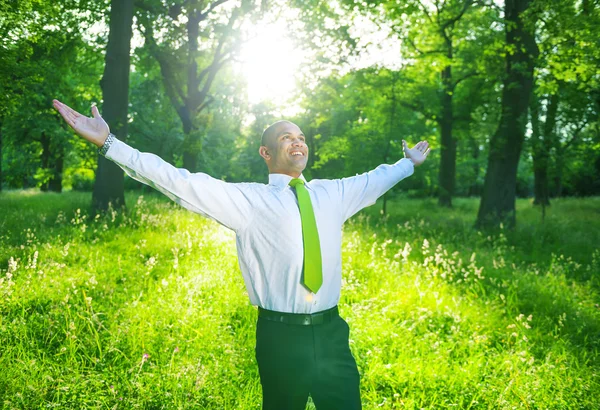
x: 286, y: 150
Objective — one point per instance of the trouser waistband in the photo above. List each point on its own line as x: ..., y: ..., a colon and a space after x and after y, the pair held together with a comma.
x: 306, y: 319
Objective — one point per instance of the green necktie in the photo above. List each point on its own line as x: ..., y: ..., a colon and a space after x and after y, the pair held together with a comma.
x: 313, y: 271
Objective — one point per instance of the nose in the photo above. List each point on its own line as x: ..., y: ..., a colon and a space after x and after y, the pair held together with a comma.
x: 297, y: 142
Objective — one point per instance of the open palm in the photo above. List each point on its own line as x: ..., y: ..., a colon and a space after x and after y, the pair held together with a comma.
x: 418, y: 153
x: 93, y: 129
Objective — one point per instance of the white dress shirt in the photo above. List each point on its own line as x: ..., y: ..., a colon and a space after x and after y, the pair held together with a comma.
x: 266, y: 221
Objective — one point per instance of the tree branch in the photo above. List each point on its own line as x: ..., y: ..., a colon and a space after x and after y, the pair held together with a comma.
x: 574, y: 138
x: 453, y: 20
x: 422, y: 53
x: 438, y: 12
x: 210, y: 8
x: 468, y: 75
x: 206, y: 103
x: 217, y: 56
x: 425, y: 11
x: 174, y: 92
x: 418, y: 108
x: 211, y: 71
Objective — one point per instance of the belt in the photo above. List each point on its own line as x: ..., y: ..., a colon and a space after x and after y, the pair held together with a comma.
x: 307, y: 319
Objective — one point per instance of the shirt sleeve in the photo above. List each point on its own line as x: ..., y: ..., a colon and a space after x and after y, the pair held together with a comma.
x: 227, y: 203
x: 362, y: 190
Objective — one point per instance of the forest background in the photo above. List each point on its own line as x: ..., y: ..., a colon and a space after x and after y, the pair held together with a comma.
x: 507, y: 95
x: 471, y: 284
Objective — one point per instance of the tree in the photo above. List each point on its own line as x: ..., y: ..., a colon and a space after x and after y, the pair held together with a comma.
x: 444, y: 37
x: 154, y: 125
x: 108, y: 186
x: 575, y: 142
x: 498, y: 200
x: 441, y: 46
x: 43, y: 50
x: 565, y: 78
x: 542, y: 140
x: 355, y: 123
x: 191, y: 56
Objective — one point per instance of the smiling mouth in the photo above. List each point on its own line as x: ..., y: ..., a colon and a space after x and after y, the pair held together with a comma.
x: 297, y: 154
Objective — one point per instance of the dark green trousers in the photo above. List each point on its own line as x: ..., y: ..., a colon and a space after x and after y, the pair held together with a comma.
x: 297, y: 360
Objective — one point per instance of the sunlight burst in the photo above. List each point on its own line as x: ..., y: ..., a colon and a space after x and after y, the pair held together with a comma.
x: 270, y: 62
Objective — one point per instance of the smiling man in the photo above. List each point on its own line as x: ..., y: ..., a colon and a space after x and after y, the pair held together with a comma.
x: 283, y: 146
x: 288, y: 237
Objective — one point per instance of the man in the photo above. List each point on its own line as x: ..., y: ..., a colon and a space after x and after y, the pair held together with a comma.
x: 288, y: 237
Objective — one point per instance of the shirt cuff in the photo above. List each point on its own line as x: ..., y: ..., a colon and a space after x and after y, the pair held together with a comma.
x: 109, y: 141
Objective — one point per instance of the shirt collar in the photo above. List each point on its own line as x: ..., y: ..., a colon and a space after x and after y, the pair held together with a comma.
x: 282, y: 180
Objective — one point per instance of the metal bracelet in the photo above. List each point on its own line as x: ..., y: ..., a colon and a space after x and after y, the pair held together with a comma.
x: 104, y: 148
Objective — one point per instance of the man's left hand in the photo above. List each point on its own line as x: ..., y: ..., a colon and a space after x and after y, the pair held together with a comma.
x: 418, y: 153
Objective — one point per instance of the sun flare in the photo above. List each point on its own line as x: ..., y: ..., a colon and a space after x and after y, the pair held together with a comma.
x: 270, y: 62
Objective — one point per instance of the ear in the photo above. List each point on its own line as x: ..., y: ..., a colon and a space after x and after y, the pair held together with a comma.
x: 264, y: 152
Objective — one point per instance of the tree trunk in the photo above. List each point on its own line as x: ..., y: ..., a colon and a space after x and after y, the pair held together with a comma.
x: 558, y: 177
x: 541, y: 145
x: 52, y: 162
x: 192, y: 145
x: 55, y: 182
x: 385, y: 161
x: 474, y: 146
x: 0, y: 155
x: 191, y: 140
x: 388, y: 147
x: 109, y: 184
x: 447, y: 174
x: 45, y: 158
x: 498, y: 200
x: 536, y: 133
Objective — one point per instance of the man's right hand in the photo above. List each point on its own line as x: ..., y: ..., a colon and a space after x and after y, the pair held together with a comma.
x: 95, y: 129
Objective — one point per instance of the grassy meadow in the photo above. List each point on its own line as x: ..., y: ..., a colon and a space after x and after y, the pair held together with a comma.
x: 147, y: 308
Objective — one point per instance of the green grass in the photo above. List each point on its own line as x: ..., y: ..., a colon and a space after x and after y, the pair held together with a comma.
x: 441, y: 315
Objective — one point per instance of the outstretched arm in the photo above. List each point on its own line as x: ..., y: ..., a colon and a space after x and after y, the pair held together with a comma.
x: 361, y: 191
x: 228, y: 204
